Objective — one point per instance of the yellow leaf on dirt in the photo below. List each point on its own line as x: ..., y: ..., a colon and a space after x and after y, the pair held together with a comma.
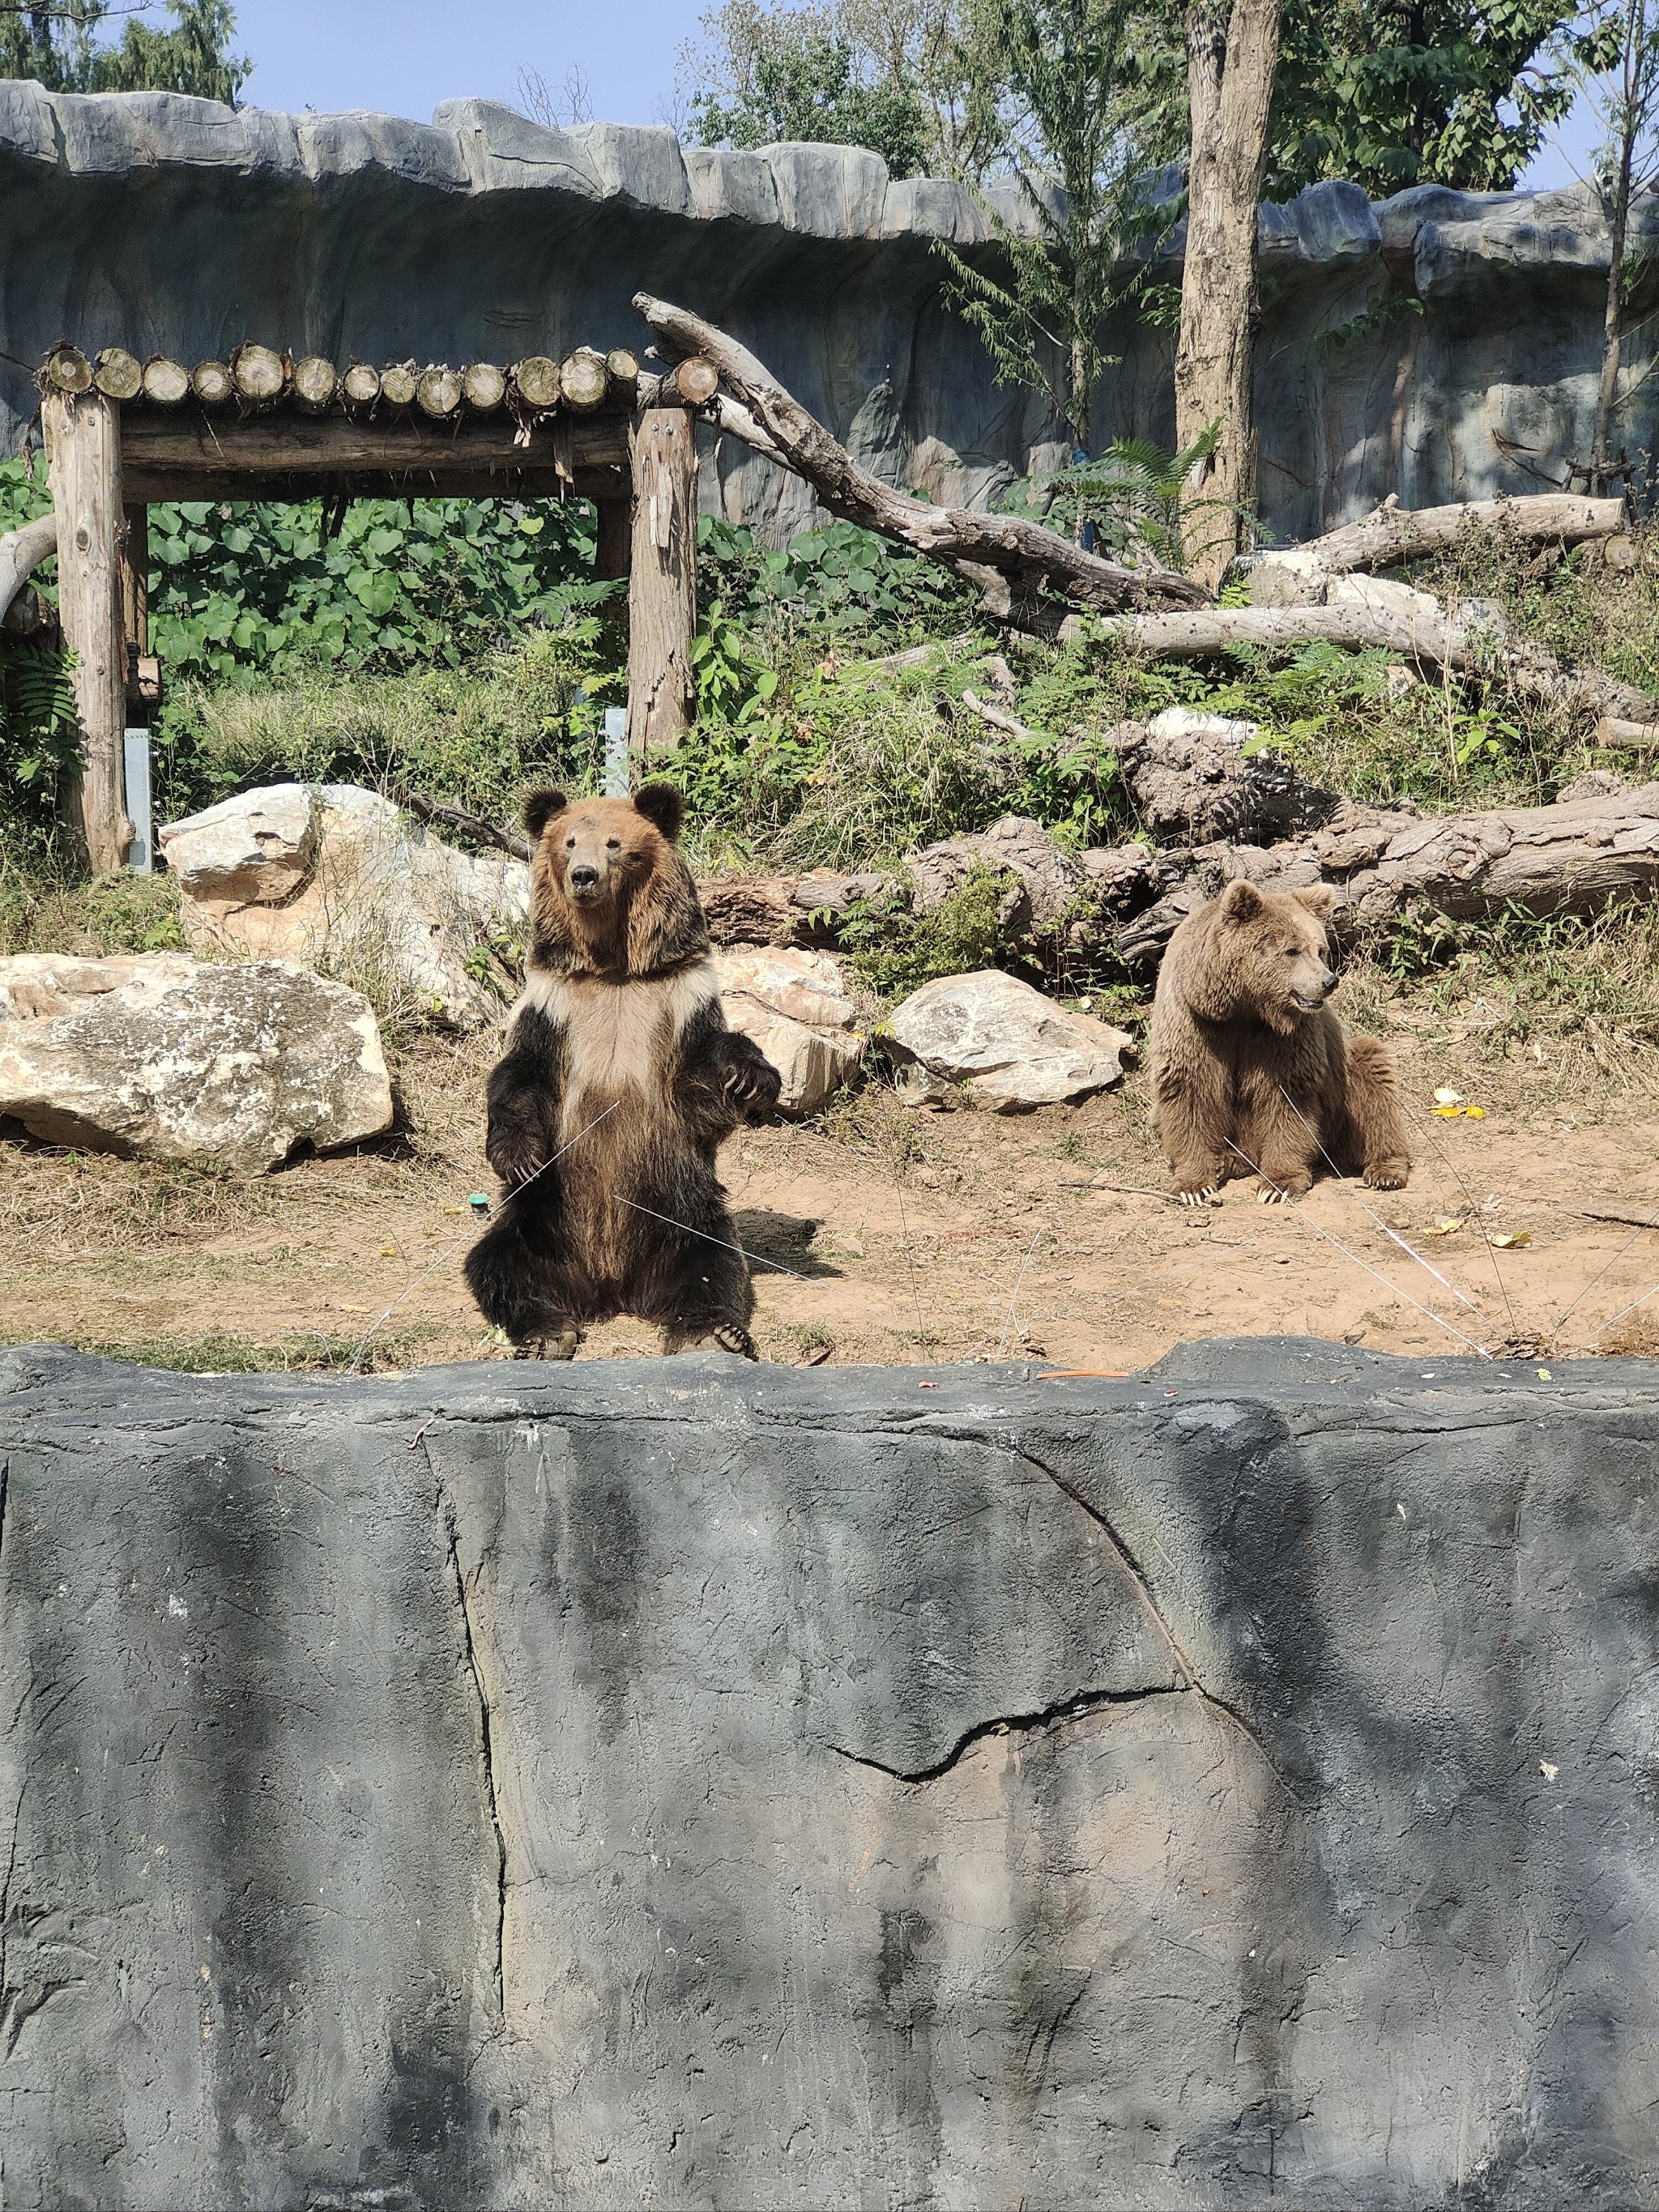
x: 1475, y: 1113
x: 1509, y: 1238
x: 1443, y: 1228
x: 1447, y: 1112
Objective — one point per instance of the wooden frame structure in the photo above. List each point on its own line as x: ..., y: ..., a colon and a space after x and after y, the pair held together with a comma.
x: 119, y: 436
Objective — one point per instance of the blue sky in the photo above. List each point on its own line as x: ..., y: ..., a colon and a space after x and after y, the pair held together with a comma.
x: 405, y: 56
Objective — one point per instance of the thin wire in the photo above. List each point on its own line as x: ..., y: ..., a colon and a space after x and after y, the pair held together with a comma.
x: 1417, y: 1306
x: 1013, y: 1302
x: 1409, y: 1250
x: 1595, y: 1279
x: 760, y: 1260
x: 449, y: 1249
x: 1474, y: 1208
x: 909, y: 1256
x: 1619, y: 1315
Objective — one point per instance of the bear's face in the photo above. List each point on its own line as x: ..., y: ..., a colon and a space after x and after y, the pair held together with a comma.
x: 605, y: 882
x: 1271, y: 948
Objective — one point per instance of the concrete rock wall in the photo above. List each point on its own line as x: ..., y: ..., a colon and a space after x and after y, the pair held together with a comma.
x: 698, y: 1785
x: 174, y: 225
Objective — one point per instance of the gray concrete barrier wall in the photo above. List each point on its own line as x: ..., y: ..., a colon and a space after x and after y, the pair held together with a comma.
x: 691, y: 1785
x: 172, y: 225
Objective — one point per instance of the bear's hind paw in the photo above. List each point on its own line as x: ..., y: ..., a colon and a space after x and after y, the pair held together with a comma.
x: 1386, y: 1174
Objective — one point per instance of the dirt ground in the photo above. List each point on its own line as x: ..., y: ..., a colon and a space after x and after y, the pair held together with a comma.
x: 895, y: 1236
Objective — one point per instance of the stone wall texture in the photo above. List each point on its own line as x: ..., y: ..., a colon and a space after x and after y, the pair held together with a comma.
x: 172, y: 225
x: 697, y: 1785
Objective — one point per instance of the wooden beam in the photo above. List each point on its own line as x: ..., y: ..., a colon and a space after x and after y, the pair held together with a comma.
x: 183, y: 451
x: 135, y: 579
x: 541, y: 481
x: 662, y: 587
x: 83, y: 440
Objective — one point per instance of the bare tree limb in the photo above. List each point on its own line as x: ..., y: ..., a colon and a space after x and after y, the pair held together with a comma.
x: 1464, y: 641
x: 1026, y: 553
x: 1391, y: 535
x: 469, y: 825
x: 21, y: 552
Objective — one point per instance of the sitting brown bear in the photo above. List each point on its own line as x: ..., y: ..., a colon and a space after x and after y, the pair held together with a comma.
x: 1252, y: 1072
x: 619, y: 1081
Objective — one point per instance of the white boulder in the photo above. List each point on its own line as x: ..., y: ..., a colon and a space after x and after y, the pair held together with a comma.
x: 1001, y: 1042
x: 159, y: 1056
x: 797, y: 1008
x: 338, y: 880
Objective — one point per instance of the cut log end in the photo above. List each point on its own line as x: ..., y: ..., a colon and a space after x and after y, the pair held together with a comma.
x: 584, y: 381
x: 536, y: 381
x: 484, y: 386
x: 166, y: 382
x: 211, y: 382
x: 315, y: 383
x: 117, y: 374
x: 625, y: 369
x: 438, y: 392
x: 399, y: 383
x: 361, y: 384
x: 68, y: 370
x: 258, y: 372
x: 696, y: 381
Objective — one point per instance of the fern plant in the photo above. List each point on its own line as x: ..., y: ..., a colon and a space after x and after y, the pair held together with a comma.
x: 1134, y: 501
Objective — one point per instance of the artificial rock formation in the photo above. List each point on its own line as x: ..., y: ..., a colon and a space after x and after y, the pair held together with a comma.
x: 688, y: 1785
x: 202, y: 226
x: 158, y: 1056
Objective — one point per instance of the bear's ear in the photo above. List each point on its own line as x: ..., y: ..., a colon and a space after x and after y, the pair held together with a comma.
x: 540, y: 808
x: 1319, y: 899
x: 1240, y: 902
x: 661, y: 806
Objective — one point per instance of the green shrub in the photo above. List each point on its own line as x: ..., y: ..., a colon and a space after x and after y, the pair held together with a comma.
x: 895, y: 951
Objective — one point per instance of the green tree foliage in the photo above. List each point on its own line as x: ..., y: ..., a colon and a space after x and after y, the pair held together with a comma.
x: 57, y: 45
x: 1072, y: 85
x: 1390, y: 93
x: 774, y: 74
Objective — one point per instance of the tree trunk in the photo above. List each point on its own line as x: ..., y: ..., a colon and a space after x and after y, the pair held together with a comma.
x: 1390, y: 536
x: 84, y: 438
x: 1232, y: 51
x: 1613, y: 318
x: 662, y: 590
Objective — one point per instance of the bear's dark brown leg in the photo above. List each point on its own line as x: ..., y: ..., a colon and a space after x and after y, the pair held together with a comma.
x: 1376, y: 1127
x: 703, y: 1336
x: 559, y: 1343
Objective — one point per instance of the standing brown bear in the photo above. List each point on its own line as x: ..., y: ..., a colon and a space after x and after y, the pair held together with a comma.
x: 1252, y: 1072
x: 620, y: 1063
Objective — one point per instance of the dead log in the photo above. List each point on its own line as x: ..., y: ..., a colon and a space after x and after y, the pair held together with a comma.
x: 1472, y: 639
x: 1617, y: 736
x: 536, y: 381
x: 360, y: 387
x: 696, y: 381
x: 1391, y: 535
x: 1034, y: 558
x: 66, y: 370
x: 399, y: 381
x: 625, y: 369
x: 83, y: 445
x: 21, y: 552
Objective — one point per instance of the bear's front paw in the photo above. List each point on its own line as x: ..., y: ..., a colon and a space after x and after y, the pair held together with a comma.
x: 1386, y: 1174
x: 517, y: 1163
x: 752, y: 1086
x: 1269, y: 1192
x: 1206, y: 1194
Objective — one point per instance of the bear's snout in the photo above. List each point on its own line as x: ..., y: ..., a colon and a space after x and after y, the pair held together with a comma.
x: 584, y: 878
x: 1315, y: 997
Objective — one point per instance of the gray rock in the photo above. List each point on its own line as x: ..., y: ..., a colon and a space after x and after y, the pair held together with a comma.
x: 692, y: 1785
x: 998, y: 1043
x: 302, y: 229
x: 157, y: 1056
x: 799, y: 1009
x: 340, y: 879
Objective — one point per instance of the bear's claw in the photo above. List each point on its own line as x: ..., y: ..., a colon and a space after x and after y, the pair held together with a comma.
x: 1207, y: 1196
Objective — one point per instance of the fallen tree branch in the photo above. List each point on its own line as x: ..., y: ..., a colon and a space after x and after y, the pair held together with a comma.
x: 1472, y: 642
x: 1391, y: 535
x: 469, y: 825
x: 1000, y: 718
x: 1034, y: 558
x: 21, y: 552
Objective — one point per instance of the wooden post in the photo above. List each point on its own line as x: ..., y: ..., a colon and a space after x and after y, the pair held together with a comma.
x: 662, y: 585
x: 83, y: 436
x: 135, y: 580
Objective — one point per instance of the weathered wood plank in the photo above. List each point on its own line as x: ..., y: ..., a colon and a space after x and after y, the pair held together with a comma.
x: 83, y: 438
x: 662, y: 588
